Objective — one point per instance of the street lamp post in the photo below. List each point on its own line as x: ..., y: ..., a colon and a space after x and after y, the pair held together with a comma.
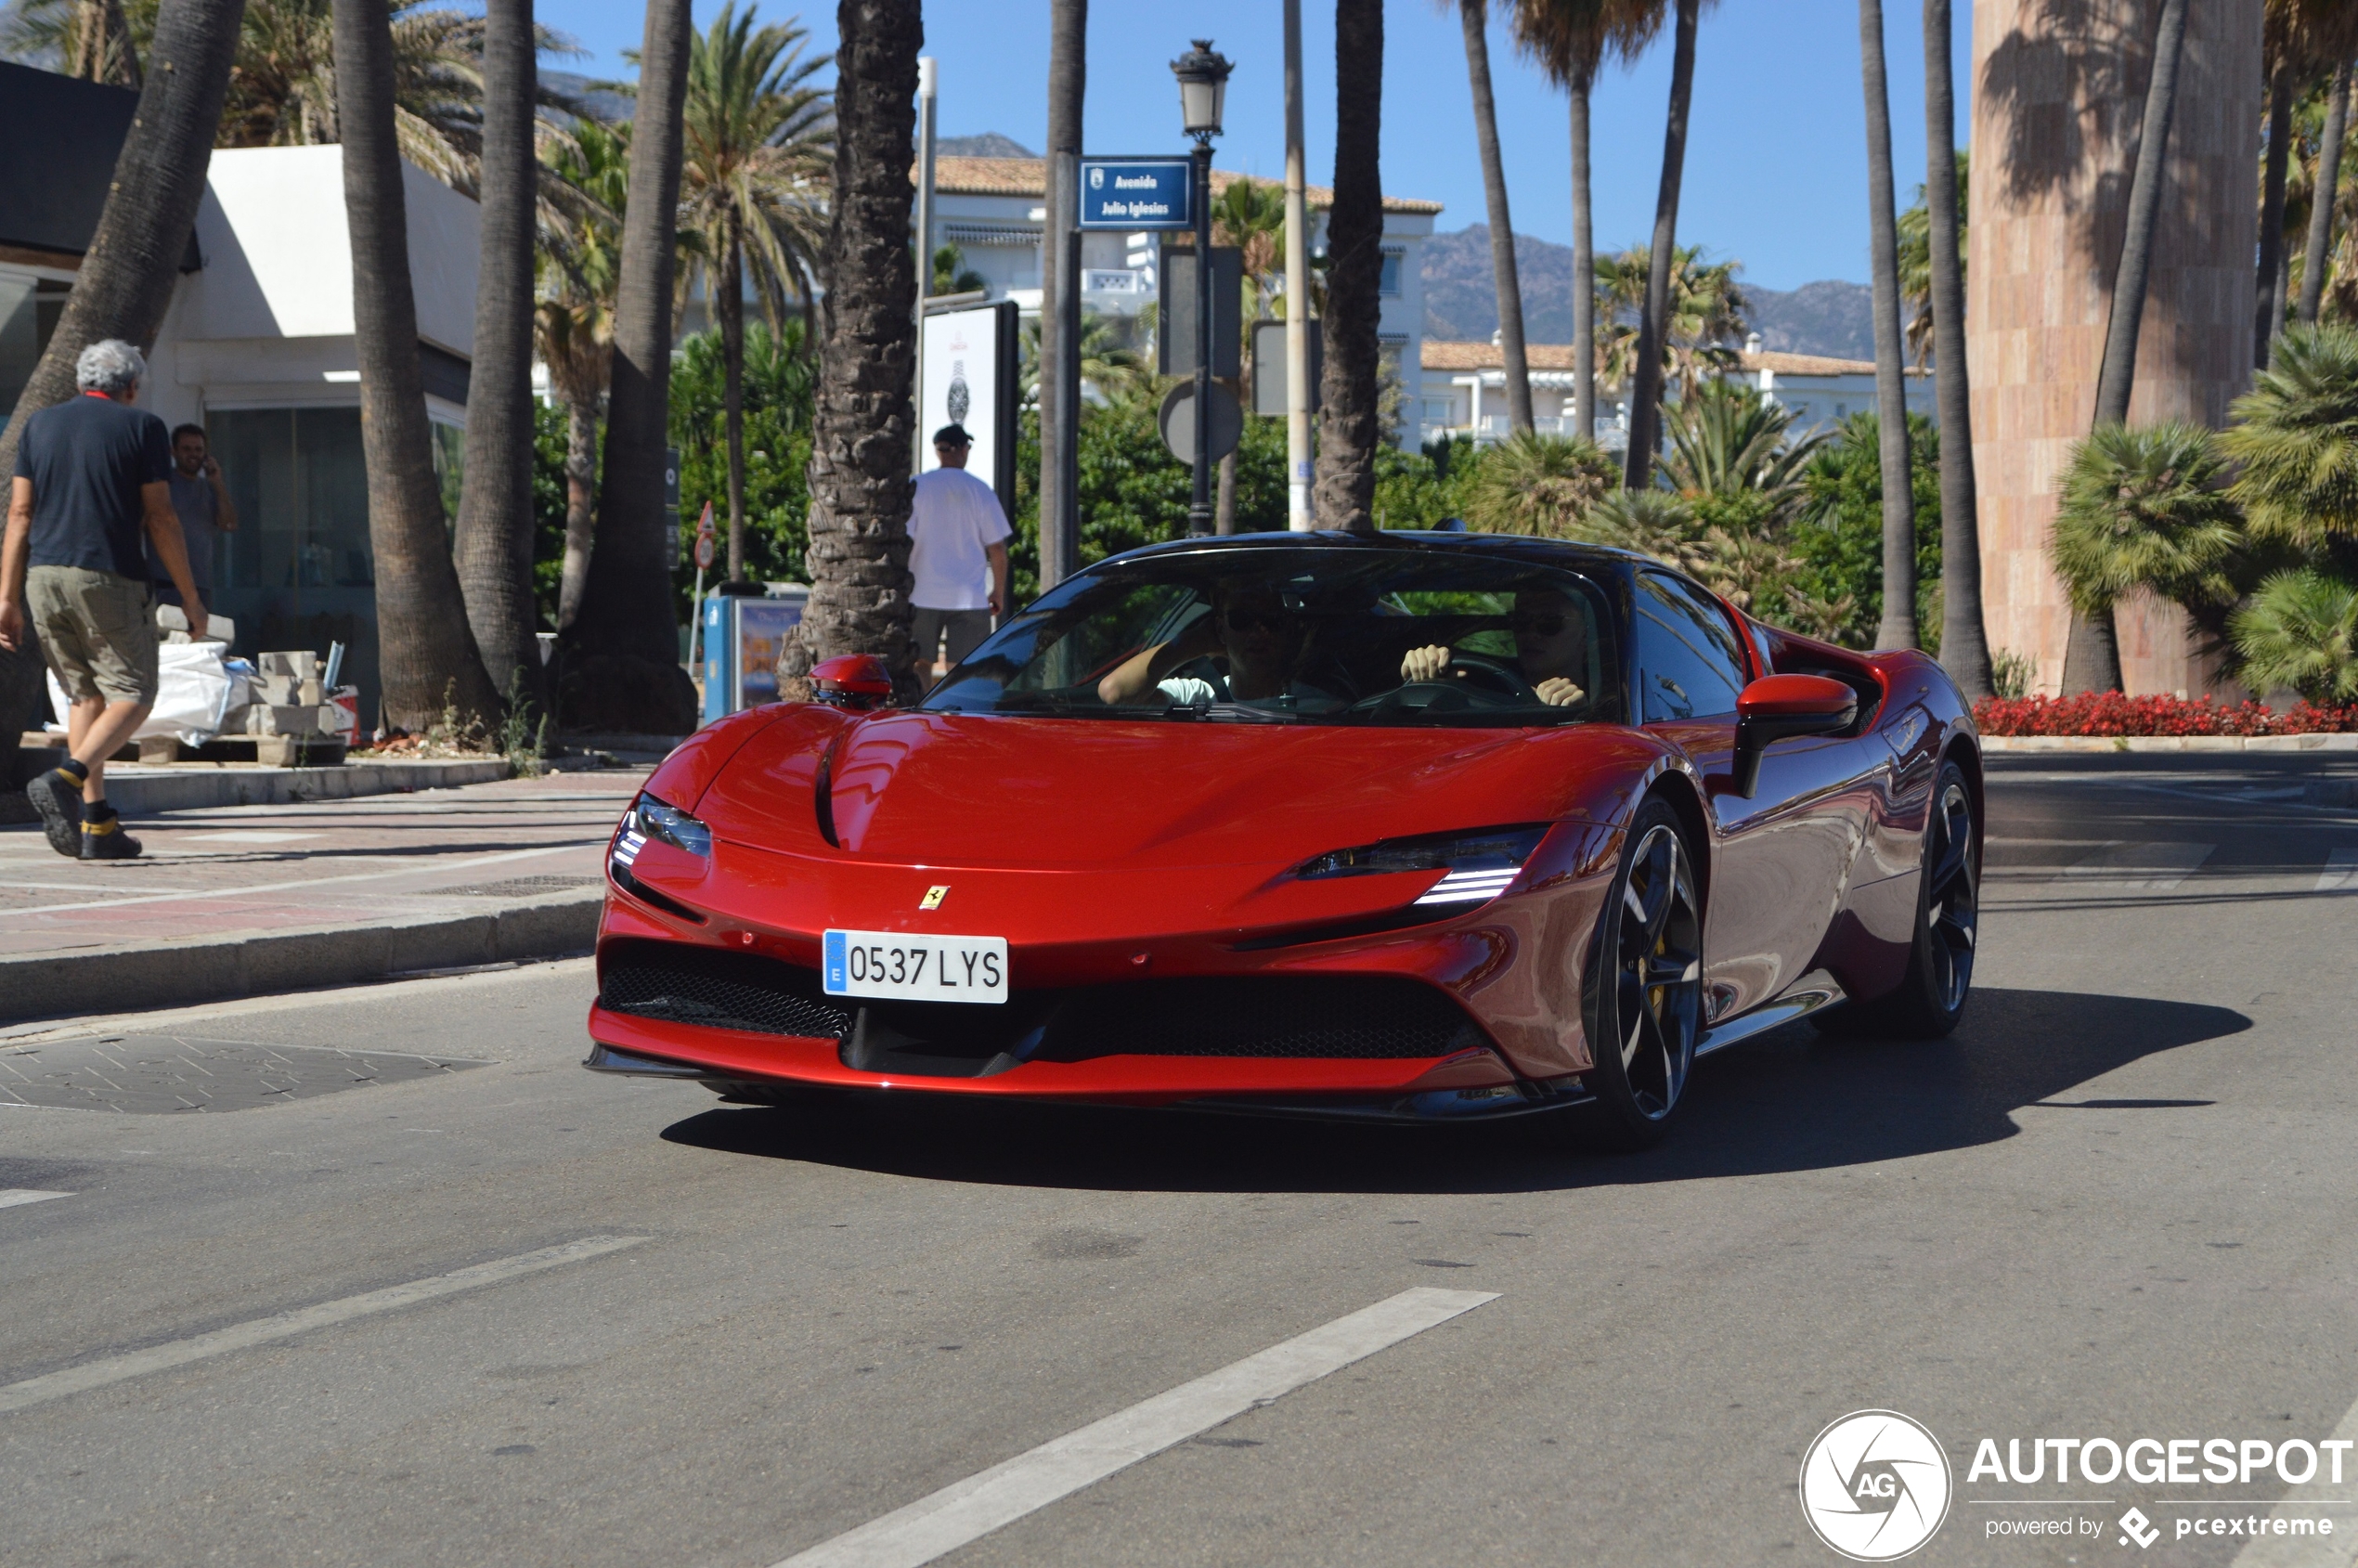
x: 1203, y: 86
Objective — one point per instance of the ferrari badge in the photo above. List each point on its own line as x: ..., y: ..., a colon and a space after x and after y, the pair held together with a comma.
x: 933, y: 897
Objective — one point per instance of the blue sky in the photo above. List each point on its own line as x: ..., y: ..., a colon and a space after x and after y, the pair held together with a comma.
x: 1776, y: 162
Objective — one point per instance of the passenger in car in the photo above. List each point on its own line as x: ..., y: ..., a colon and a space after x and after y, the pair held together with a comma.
x: 1250, y: 625
x: 1551, y: 646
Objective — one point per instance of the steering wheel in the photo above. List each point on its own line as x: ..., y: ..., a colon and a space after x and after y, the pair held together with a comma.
x: 1494, y: 674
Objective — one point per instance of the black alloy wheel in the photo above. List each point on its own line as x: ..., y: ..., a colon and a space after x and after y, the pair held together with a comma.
x: 1645, y: 992
x: 1931, y: 997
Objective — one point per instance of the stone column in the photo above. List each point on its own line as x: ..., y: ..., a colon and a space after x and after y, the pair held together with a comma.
x: 2058, y: 92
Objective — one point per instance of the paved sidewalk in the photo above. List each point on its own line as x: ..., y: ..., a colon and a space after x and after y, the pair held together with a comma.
x: 233, y: 901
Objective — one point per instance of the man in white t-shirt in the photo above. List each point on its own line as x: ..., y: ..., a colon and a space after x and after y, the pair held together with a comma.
x: 957, y: 552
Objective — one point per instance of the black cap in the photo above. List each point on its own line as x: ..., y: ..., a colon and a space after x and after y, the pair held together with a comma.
x: 952, y: 435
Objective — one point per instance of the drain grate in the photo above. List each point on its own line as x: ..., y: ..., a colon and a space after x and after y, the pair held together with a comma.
x: 518, y: 886
x: 151, y: 1074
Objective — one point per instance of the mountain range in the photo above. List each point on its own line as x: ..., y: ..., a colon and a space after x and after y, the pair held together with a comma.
x: 1461, y: 299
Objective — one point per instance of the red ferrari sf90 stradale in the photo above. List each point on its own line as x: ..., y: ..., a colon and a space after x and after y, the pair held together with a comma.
x: 1400, y: 825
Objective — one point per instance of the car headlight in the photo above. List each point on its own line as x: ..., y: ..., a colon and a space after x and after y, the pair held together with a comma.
x: 1478, y: 865
x: 649, y: 818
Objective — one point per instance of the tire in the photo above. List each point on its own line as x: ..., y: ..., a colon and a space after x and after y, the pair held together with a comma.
x: 1643, y: 999
x: 1931, y: 997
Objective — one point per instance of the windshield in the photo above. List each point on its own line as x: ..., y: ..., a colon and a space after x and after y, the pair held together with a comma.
x: 1305, y: 636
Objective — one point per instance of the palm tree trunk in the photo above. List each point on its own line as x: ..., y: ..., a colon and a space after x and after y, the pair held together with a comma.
x: 1349, y: 425
x: 1224, y: 516
x: 861, y: 428
x: 102, y: 46
x: 1584, y: 268
x: 126, y: 281
x: 1965, y: 635
x: 1645, y: 400
x: 628, y: 611
x: 1060, y: 391
x: 2270, y: 308
x: 426, y: 655
x: 581, y: 510
x: 730, y: 289
x: 2321, y: 200
x: 1473, y: 14
x: 2092, y: 656
x: 1898, y: 626
x: 495, y: 507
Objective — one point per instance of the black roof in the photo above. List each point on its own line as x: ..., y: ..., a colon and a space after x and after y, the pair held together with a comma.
x: 60, y: 137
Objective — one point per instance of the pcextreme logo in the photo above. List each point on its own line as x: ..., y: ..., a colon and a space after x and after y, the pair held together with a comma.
x: 1875, y: 1485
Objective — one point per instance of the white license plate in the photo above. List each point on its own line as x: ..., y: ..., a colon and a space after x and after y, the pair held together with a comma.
x: 907, y: 967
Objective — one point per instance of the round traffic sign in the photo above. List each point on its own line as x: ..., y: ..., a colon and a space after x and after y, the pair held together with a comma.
x: 1177, y: 417
x: 704, y: 551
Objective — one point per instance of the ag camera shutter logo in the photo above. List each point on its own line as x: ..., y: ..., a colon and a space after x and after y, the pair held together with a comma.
x: 1875, y: 1485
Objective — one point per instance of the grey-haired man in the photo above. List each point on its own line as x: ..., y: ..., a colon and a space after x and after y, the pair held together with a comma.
x: 91, y: 494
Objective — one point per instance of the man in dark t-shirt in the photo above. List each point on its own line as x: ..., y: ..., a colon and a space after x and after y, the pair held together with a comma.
x: 90, y: 494
x: 201, y: 501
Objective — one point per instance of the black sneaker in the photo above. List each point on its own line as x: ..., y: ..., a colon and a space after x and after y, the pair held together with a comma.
x: 57, y: 796
x: 107, y: 841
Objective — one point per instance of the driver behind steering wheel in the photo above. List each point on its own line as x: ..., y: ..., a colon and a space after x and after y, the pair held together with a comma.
x: 1551, y: 645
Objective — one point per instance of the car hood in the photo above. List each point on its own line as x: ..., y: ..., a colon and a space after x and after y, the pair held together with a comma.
x: 951, y: 789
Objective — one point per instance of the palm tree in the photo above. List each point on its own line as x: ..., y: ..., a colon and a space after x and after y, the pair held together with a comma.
x: 1728, y: 439
x: 124, y: 283
x: 1708, y: 317
x: 627, y: 614
x: 426, y: 655
x: 2091, y: 656
x: 2325, y: 192
x: 1914, y: 229
x: 1473, y: 17
x: 2283, y: 45
x: 1645, y: 422
x: 1350, y: 416
x: 1250, y: 216
x: 1965, y: 638
x: 1570, y: 39
x: 953, y: 275
x: 1898, y: 626
x: 1535, y: 483
x: 2148, y: 507
x: 2300, y: 631
x: 758, y: 138
x: 103, y: 50
x: 1107, y: 366
x: 573, y: 318
x: 494, y: 545
x: 2294, y: 441
x: 861, y: 423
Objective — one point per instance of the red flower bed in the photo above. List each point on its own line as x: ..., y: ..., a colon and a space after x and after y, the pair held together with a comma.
x: 2111, y: 713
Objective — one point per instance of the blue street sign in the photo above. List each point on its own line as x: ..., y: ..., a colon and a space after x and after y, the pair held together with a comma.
x: 1135, y: 193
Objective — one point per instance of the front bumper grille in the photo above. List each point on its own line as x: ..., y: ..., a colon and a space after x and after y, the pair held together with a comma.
x: 1324, y: 1017
x: 697, y: 985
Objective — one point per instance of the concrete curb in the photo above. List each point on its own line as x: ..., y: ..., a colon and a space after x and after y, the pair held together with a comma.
x: 2263, y: 743
x: 188, y: 787
x: 144, y: 975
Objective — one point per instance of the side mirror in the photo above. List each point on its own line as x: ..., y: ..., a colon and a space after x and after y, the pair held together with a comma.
x: 1778, y: 707
x: 853, y: 680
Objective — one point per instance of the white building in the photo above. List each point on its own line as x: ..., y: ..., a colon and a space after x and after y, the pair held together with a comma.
x: 257, y: 348
x: 1465, y: 390
x: 994, y: 210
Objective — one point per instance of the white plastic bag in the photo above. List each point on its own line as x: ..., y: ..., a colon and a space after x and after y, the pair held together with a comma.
x: 195, y: 688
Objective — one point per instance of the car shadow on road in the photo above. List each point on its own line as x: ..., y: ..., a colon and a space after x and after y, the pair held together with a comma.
x: 1791, y: 1101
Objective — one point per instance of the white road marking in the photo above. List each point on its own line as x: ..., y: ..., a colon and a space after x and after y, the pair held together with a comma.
x: 968, y: 1509
x: 12, y: 1196
x: 2306, y: 1501
x: 2141, y: 868
x: 2342, y: 872
x: 247, y: 892
x: 285, y: 1325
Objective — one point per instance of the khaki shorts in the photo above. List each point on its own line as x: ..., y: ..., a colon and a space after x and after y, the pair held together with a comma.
x: 98, y: 632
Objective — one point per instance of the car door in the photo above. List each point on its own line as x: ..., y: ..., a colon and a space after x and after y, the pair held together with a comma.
x: 1782, y: 856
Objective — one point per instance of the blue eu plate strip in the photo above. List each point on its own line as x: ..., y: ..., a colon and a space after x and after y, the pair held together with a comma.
x: 832, y: 964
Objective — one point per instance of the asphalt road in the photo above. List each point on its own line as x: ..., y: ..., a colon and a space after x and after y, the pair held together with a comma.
x: 2116, y: 1204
